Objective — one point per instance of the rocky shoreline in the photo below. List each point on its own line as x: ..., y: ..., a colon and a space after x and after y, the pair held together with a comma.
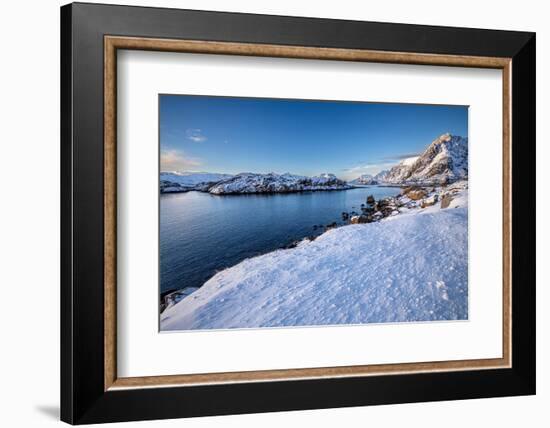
x: 412, y: 197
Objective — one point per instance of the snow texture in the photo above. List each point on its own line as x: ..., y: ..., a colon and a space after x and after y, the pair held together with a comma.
x: 408, y: 267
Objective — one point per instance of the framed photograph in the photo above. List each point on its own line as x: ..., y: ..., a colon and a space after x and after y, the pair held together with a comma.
x: 266, y: 213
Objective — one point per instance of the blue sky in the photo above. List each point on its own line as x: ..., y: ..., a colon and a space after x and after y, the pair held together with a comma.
x: 232, y: 135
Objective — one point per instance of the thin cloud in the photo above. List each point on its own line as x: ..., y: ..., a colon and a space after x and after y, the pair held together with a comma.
x: 195, y: 134
x: 400, y: 157
x: 379, y: 164
x: 174, y: 160
x: 370, y: 168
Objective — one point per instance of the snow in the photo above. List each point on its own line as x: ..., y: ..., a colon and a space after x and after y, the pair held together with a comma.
x: 407, y: 267
x: 409, y: 161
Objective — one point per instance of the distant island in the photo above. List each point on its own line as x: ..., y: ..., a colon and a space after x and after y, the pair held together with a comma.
x: 248, y: 183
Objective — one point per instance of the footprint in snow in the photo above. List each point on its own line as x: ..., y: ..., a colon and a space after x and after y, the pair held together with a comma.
x: 440, y: 285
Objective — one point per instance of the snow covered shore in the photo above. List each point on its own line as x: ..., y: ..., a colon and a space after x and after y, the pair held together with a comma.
x: 408, y: 267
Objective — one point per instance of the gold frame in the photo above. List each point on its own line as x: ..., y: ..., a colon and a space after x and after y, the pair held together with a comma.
x: 113, y: 43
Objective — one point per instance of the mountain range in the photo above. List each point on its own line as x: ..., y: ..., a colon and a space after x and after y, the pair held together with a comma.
x: 444, y: 161
x: 368, y: 179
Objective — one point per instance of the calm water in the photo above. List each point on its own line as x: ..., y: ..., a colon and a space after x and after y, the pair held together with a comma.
x: 201, y: 233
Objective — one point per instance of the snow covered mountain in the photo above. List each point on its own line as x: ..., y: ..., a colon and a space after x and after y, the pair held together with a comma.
x: 381, y: 176
x: 276, y: 183
x: 365, y: 179
x: 173, y: 182
x: 444, y: 161
x: 368, y: 179
x: 399, y: 173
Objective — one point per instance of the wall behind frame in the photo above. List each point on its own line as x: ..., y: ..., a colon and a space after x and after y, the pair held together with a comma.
x: 29, y: 218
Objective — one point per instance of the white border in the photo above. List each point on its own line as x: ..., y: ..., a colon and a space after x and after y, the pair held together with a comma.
x: 142, y: 351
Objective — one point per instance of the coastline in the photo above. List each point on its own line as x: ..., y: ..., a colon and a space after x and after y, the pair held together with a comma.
x: 321, y: 189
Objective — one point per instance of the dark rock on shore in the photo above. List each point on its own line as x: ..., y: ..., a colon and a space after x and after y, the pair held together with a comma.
x: 446, y: 200
x: 172, y: 297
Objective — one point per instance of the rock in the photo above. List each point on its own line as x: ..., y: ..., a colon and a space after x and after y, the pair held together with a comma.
x: 345, y: 216
x: 331, y: 225
x: 446, y: 200
x: 416, y: 194
x: 370, y: 207
x: 360, y: 219
x: 428, y: 202
x: 365, y: 219
x: 174, y: 296
x: 407, y: 189
x: 385, y: 202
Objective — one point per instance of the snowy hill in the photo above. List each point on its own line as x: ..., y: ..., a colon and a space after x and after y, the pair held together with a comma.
x: 409, y: 267
x: 276, y: 183
x: 444, y: 161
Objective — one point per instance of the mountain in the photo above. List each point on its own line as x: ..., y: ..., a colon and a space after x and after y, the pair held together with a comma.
x: 368, y: 179
x: 399, y: 173
x: 444, y: 161
x: 173, y: 182
x: 276, y: 183
x: 365, y: 179
x: 381, y: 176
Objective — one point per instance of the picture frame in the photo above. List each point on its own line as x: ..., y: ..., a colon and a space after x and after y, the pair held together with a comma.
x: 91, y: 390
